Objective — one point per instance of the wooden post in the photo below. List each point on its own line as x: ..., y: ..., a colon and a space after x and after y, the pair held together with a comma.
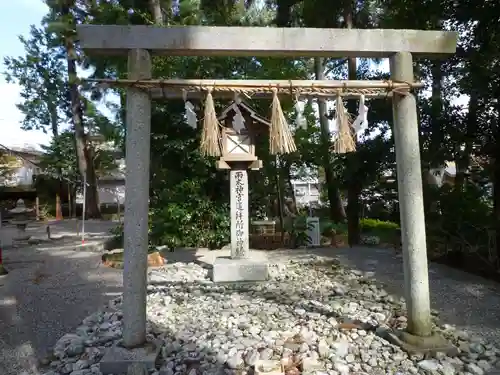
x: 118, y: 209
x: 37, y: 208
x: 69, y: 201
x: 59, y: 215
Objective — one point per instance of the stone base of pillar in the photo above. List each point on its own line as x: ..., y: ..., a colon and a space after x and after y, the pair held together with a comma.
x: 117, y: 359
x: 428, y: 345
x: 239, y: 270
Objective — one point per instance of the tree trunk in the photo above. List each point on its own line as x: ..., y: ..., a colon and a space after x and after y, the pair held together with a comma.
x: 496, y: 187
x: 288, y: 190
x: 463, y: 159
x: 281, y: 202
x: 437, y: 133
x: 55, y: 133
x: 337, y: 212
x: 84, y: 155
x: 496, y: 195
x: 156, y: 11
x: 284, y: 12
x: 353, y: 189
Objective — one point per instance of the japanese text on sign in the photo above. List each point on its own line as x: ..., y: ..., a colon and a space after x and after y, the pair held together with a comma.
x: 239, y: 224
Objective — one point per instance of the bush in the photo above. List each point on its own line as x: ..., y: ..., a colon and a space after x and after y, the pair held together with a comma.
x: 460, y: 222
x: 328, y: 228
x: 386, y: 231
x: 185, y: 217
x: 378, y: 225
x: 297, y: 229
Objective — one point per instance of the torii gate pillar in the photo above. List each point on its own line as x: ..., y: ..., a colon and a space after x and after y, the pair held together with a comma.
x: 399, y: 45
x: 135, y: 247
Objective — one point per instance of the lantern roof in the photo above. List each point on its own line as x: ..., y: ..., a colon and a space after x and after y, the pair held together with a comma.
x: 244, y: 107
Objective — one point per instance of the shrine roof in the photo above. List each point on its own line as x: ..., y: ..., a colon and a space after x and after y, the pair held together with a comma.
x: 246, y: 108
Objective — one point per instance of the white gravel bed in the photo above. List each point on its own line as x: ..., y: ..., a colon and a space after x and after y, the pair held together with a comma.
x: 320, y: 315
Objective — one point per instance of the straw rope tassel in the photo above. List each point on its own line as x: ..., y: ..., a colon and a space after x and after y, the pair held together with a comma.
x: 280, y: 137
x: 345, y: 141
x: 210, y: 137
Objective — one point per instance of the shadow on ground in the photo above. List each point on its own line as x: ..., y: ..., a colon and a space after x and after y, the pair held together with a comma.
x: 49, y: 290
x: 468, y: 301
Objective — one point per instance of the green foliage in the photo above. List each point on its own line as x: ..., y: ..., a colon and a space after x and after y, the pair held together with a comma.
x: 8, y: 165
x: 297, y: 230
x: 460, y: 221
x: 117, y: 233
x: 187, y: 217
x: 189, y: 197
x: 328, y: 228
x: 386, y: 231
x: 60, y: 159
x: 40, y: 74
x: 378, y: 225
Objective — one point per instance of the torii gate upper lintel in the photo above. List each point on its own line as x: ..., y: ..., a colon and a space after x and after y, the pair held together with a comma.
x: 138, y: 41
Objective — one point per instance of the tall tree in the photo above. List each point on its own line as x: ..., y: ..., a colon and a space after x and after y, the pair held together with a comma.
x: 63, y: 17
x: 354, y: 186
x: 43, y: 87
x: 337, y: 212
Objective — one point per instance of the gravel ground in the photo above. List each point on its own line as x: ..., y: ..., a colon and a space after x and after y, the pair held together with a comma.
x: 319, y: 315
x: 50, y: 288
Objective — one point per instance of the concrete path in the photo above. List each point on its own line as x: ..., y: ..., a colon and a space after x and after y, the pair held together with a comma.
x: 50, y: 288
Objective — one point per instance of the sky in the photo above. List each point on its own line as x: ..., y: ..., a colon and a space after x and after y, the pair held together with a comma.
x: 15, y: 19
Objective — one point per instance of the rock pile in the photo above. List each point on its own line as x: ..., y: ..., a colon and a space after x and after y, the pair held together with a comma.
x: 324, y: 318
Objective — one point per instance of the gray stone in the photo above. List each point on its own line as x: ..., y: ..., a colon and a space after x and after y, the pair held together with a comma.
x: 417, y: 345
x: 323, y: 349
x: 260, y: 41
x: 429, y: 365
x: 135, y: 237
x: 80, y: 372
x: 266, y: 354
x: 137, y: 369
x: 235, y: 361
x: 474, y: 369
x: 234, y: 270
x: 76, y: 347
x: 81, y: 364
x: 116, y: 359
x: 238, y: 178
x: 342, y: 368
x: 485, y: 365
x: 416, y: 281
x: 448, y: 369
x: 341, y: 348
x: 309, y: 365
x: 252, y: 357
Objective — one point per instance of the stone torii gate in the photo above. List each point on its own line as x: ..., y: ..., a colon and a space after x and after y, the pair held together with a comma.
x: 139, y: 42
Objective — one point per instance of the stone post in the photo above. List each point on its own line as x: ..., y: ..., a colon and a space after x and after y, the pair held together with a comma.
x: 136, y: 202
x: 241, y: 266
x: 406, y: 137
x: 239, y: 213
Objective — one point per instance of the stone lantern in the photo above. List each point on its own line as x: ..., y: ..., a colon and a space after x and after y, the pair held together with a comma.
x: 240, y: 126
x: 21, y: 219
